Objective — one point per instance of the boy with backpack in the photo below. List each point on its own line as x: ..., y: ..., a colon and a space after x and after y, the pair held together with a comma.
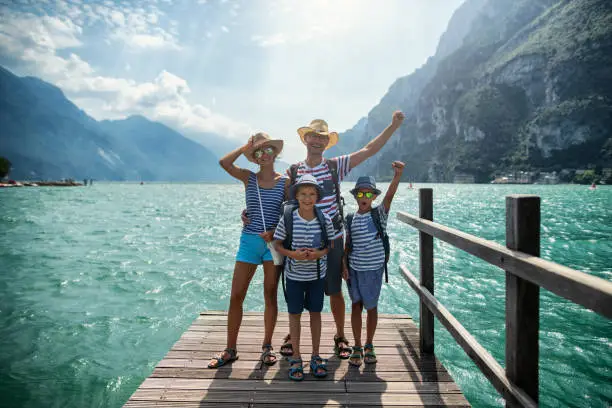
x: 366, y: 256
x: 303, y: 236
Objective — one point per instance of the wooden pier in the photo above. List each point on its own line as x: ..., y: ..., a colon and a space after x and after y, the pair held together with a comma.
x: 403, y: 377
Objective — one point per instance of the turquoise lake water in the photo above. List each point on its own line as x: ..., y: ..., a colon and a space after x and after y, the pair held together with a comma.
x: 97, y: 283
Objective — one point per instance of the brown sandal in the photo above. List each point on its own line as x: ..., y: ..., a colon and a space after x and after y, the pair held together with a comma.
x: 287, y: 348
x: 342, y: 352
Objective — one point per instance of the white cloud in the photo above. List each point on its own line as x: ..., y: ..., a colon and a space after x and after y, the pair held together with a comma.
x: 33, y: 43
x: 224, y: 29
x: 269, y: 40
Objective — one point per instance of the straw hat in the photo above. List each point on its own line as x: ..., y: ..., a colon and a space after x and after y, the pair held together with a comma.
x: 318, y: 126
x: 262, y: 139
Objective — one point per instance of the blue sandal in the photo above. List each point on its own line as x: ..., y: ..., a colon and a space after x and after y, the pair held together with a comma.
x: 295, y: 370
x: 315, y: 366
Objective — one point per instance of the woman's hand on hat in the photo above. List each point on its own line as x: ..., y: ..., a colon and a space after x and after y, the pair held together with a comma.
x: 398, y: 167
x: 249, y: 144
x: 398, y: 118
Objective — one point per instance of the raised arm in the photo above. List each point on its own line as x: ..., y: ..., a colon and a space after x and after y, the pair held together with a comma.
x: 227, y: 162
x: 378, y: 142
x: 398, y: 168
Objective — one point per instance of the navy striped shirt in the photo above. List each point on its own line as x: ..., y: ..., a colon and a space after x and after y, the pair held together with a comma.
x: 368, y: 252
x: 306, y: 234
x: 271, y: 199
x: 328, y: 203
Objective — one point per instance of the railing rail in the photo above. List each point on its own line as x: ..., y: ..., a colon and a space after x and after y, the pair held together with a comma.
x: 525, y: 274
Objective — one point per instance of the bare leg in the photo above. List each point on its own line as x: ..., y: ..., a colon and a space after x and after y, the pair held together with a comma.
x: 270, y: 295
x: 371, y: 325
x: 356, y: 315
x: 356, y: 323
x: 336, y: 303
x: 294, y: 330
x: 243, y: 273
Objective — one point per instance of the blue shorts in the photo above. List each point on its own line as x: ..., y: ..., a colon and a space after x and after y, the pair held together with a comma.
x: 305, y: 295
x: 365, y: 287
x: 253, y: 249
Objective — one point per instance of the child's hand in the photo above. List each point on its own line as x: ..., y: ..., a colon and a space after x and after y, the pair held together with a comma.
x: 398, y: 167
x: 398, y: 118
x: 301, y: 254
x: 316, y: 253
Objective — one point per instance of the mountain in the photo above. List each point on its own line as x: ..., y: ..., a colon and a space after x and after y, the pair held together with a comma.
x: 159, y: 153
x: 513, y: 85
x: 45, y: 136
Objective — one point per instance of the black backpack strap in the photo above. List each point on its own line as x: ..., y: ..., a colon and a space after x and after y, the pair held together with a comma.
x: 333, y: 169
x: 323, y: 224
x: 293, y: 173
x: 349, y: 236
x: 382, y: 234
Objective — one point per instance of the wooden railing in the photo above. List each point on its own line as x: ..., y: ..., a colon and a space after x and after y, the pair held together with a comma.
x: 525, y: 274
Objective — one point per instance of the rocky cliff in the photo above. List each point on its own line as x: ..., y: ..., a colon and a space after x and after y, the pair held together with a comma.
x: 513, y: 85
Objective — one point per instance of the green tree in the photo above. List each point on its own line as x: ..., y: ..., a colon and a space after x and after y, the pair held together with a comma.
x: 5, y: 167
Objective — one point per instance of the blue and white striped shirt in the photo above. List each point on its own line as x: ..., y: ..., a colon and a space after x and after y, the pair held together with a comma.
x: 368, y: 252
x: 271, y: 200
x: 306, y: 234
x: 328, y: 204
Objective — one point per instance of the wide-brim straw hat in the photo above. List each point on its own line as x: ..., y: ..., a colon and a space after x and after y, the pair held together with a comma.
x: 318, y: 126
x: 262, y: 139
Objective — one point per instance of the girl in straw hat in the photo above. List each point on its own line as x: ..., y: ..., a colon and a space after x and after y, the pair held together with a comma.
x: 265, y: 192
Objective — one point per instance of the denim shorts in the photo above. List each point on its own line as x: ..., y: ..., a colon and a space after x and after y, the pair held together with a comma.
x: 253, y: 249
x: 365, y: 287
x: 305, y: 295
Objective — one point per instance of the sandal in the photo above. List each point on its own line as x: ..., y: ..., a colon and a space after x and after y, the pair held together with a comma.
x: 268, y: 357
x: 343, y: 352
x: 357, y: 355
x: 370, y: 356
x: 295, y: 370
x: 220, y: 361
x: 287, y: 348
x: 315, y: 366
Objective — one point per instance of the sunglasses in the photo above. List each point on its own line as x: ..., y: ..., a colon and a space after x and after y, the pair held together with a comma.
x: 366, y: 194
x: 269, y: 150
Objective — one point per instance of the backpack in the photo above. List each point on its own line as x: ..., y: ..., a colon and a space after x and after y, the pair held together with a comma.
x: 382, y: 233
x: 288, y: 221
x: 333, y: 169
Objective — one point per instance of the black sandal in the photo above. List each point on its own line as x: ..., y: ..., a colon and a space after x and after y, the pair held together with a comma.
x: 343, y: 352
x: 287, y: 348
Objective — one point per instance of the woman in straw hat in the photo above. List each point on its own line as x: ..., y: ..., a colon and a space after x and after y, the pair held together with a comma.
x: 265, y: 192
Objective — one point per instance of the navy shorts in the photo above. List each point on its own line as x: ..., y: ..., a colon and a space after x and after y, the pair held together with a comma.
x: 365, y: 287
x: 305, y: 295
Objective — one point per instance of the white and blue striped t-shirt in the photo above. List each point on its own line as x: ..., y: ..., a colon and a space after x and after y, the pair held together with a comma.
x: 306, y: 234
x: 368, y: 252
x: 328, y: 204
x: 271, y: 200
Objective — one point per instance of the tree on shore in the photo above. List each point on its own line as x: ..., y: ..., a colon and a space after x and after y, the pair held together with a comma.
x: 5, y: 167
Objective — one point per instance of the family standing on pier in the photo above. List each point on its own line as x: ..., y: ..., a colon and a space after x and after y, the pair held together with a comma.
x: 295, y: 228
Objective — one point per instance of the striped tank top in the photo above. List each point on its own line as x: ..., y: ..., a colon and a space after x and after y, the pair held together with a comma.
x: 271, y: 200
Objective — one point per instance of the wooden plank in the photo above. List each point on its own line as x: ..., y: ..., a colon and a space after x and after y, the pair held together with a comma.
x: 485, y: 362
x: 407, y: 400
x: 522, y: 296
x: 325, y: 343
x: 244, y: 385
x: 426, y: 260
x: 184, y: 363
x: 589, y: 291
x: 385, y: 353
x: 218, y: 395
x: 174, y: 404
x: 214, y: 348
x: 403, y: 387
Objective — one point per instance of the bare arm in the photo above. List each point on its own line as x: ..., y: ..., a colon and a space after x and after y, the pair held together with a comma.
x: 398, y: 168
x: 377, y: 143
x: 227, y: 162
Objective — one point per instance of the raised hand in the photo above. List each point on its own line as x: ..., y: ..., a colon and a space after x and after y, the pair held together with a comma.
x: 398, y: 167
x: 248, y: 144
x: 398, y: 118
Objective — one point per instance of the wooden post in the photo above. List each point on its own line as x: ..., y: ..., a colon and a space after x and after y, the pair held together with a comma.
x: 523, y: 297
x: 426, y: 328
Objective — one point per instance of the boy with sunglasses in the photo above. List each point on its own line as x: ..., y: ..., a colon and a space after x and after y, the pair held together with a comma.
x: 365, y: 258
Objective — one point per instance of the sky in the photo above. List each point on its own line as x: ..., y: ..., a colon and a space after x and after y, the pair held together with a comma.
x: 230, y: 67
